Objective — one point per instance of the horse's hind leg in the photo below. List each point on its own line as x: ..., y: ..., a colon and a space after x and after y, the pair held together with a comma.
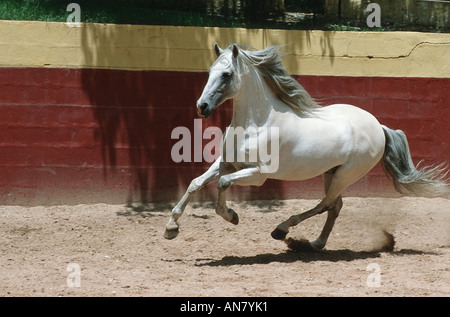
x: 282, y: 229
x: 334, y: 185
x: 333, y: 213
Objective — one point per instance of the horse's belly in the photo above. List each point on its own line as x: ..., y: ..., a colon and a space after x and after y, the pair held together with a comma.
x: 302, y: 168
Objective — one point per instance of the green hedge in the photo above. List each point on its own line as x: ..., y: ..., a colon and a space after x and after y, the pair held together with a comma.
x: 244, y: 13
x: 156, y: 12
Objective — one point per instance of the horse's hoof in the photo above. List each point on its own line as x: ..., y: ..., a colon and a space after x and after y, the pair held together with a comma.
x: 278, y: 234
x: 235, y: 219
x: 317, y: 245
x: 170, y: 234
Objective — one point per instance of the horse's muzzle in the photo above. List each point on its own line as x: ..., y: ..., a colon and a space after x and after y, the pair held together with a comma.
x: 202, y: 110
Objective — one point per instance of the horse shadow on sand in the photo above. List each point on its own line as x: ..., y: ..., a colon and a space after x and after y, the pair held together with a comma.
x: 290, y: 256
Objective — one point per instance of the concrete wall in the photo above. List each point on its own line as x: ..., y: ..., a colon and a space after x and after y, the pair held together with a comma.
x: 86, y: 114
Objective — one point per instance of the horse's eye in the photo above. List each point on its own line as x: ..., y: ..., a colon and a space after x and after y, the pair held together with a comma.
x: 226, y: 75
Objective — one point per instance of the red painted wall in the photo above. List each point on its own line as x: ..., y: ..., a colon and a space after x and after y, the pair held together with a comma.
x: 87, y: 135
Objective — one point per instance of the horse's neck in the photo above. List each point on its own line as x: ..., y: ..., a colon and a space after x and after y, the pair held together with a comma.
x: 254, y: 104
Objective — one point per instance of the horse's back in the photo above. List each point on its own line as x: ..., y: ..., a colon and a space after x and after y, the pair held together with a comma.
x: 347, y: 112
x: 335, y: 135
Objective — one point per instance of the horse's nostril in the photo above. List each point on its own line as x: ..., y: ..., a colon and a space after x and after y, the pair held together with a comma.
x: 203, y: 106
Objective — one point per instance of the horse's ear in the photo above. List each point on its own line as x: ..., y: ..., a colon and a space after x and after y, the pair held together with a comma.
x: 217, y: 49
x: 235, y: 51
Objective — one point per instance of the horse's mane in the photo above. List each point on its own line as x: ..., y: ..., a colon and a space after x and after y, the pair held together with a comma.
x: 268, y: 64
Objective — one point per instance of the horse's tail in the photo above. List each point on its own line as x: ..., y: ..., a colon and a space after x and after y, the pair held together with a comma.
x: 408, y: 178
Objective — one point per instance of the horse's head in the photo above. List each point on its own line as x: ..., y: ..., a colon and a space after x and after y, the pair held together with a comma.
x: 223, y: 83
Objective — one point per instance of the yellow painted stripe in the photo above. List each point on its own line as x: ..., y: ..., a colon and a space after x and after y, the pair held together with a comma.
x: 172, y: 48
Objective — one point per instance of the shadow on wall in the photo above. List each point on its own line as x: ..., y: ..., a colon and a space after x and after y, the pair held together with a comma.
x: 135, y: 112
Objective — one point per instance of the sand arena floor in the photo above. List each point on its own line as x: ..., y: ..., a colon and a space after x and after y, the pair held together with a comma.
x: 117, y: 250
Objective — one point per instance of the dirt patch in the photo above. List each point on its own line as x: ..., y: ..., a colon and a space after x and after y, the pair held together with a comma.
x: 107, y: 250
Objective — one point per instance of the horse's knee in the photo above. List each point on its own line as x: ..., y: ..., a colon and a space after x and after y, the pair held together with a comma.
x: 194, y: 186
x: 224, y: 183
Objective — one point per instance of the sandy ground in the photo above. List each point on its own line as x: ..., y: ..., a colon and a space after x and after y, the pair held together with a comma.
x: 117, y: 250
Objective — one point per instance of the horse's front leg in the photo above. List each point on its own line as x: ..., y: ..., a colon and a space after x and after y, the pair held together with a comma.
x: 250, y: 176
x: 213, y: 173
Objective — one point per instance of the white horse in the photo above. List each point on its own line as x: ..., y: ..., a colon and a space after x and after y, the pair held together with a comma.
x: 341, y: 142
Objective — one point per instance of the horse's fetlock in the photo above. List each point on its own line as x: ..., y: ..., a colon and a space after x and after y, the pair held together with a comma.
x: 176, y: 212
